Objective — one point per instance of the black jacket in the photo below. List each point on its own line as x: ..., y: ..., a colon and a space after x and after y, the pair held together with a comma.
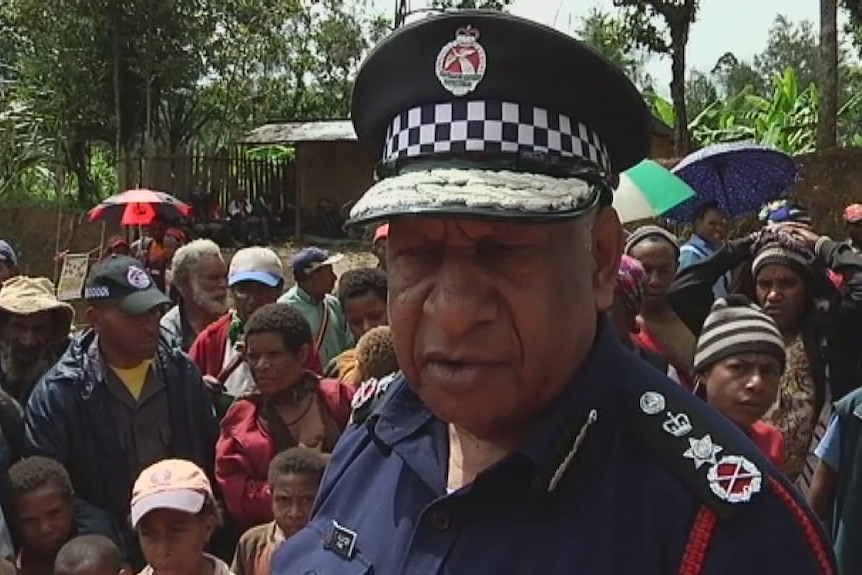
x: 832, y: 330
x: 65, y: 419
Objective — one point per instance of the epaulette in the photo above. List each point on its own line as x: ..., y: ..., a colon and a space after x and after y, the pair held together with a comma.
x: 369, y: 396
x: 713, y: 461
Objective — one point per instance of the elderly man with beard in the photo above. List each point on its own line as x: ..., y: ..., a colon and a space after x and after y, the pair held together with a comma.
x: 521, y: 436
x: 34, y: 332
x: 119, y: 400
x: 200, y: 275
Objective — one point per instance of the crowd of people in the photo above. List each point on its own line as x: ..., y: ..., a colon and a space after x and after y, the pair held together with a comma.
x: 220, y: 392
x: 664, y: 406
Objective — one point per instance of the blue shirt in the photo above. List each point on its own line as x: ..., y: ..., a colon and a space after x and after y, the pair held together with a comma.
x: 608, y: 484
x: 829, y: 448
x: 697, y: 249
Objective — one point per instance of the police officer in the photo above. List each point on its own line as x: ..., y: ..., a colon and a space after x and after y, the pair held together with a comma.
x: 521, y: 436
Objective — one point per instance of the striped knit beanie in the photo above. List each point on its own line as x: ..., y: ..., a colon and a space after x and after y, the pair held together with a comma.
x: 776, y: 247
x: 652, y: 232
x: 736, y: 326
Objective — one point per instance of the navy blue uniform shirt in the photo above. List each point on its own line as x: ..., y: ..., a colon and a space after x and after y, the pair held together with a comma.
x: 627, y: 474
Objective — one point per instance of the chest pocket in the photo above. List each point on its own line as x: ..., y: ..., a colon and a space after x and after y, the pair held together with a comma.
x: 322, y: 548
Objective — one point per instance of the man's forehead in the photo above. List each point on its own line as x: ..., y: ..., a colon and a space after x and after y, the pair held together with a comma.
x: 442, y: 229
x: 38, y: 319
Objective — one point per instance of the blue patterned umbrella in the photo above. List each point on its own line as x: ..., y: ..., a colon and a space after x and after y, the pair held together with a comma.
x: 739, y: 176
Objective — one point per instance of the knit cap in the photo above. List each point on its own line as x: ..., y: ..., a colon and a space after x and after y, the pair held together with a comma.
x: 650, y: 232
x: 777, y: 247
x: 735, y: 326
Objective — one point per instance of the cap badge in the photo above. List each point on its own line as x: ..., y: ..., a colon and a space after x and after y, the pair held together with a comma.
x: 137, y: 278
x: 161, y: 477
x: 461, y: 63
x: 734, y: 479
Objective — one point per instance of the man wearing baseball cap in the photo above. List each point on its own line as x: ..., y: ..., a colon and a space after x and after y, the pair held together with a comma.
x: 853, y: 221
x: 8, y: 262
x: 255, y: 278
x: 521, y: 437
x: 312, y: 296
x: 120, y: 399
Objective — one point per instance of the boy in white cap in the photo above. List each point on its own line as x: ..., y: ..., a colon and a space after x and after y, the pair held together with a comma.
x: 174, y: 513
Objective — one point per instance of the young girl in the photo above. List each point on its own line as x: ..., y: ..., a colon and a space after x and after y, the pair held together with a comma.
x: 174, y: 514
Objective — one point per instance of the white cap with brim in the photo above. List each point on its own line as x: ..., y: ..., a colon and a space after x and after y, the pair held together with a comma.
x: 185, y: 500
x: 265, y: 278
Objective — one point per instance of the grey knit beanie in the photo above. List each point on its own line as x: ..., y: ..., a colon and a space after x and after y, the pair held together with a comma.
x: 736, y: 326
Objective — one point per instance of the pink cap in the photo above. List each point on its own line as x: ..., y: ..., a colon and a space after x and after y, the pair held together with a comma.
x: 853, y: 213
x: 170, y: 484
x: 381, y: 233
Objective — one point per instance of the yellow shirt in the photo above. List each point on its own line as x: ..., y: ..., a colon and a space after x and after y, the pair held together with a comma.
x: 134, y: 377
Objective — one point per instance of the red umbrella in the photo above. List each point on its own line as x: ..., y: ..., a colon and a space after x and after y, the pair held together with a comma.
x: 139, y: 207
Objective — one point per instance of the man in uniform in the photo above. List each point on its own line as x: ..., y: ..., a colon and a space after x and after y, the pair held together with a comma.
x: 521, y: 436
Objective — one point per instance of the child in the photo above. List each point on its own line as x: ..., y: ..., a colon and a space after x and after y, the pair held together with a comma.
x: 43, y: 504
x: 174, y: 513
x: 294, y: 476
x: 89, y: 555
x: 375, y: 353
x: 362, y: 294
x: 739, y: 359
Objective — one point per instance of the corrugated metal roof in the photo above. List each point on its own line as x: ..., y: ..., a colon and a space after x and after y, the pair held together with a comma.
x: 298, y: 132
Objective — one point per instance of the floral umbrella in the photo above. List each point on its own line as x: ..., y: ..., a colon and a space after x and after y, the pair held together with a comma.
x: 739, y: 176
x: 139, y: 207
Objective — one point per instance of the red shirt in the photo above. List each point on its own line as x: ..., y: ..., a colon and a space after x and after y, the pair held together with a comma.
x: 769, y: 440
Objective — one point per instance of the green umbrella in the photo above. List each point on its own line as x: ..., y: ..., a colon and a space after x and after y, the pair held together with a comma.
x: 647, y: 191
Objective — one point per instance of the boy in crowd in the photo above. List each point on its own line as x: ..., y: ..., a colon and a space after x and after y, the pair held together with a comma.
x: 89, y: 555
x: 294, y: 476
x: 174, y: 513
x: 362, y: 293
x: 739, y: 360
x: 44, y: 512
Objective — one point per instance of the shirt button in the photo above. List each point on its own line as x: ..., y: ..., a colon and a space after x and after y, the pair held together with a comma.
x: 440, y: 520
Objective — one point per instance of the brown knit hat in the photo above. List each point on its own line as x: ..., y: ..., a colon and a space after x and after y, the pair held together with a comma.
x: 23, y: 295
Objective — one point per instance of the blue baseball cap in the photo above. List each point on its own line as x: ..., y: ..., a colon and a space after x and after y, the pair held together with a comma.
x: 311, y: 259
x: 7, y: 254
x: 256, y: 264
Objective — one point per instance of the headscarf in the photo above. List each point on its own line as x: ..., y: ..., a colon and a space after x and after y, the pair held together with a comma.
x: 651, y: 231
x: 631, y: 284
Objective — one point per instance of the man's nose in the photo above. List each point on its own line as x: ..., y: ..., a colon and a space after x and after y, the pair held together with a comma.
x: 460, y: 297
x: 29, y: 338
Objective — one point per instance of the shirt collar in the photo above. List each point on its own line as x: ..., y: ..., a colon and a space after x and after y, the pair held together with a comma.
x: 699, y: 242
x: 402, y: 414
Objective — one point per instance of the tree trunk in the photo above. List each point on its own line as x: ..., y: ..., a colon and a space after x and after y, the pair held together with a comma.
x: 681, y: 138
x: 118, y: 108
x: 827, y: 120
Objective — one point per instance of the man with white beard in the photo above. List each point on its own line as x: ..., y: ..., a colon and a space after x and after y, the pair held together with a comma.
x: 200, y: 275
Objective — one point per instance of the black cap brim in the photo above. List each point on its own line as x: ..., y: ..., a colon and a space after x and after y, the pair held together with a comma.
x: 143, y: 301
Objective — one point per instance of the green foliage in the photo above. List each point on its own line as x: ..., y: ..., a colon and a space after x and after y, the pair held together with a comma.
x: 610, y: 36
x: 786, y: 119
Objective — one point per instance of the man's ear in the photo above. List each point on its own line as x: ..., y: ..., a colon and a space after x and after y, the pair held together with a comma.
x: 608, y: 240
x: 94, y: 318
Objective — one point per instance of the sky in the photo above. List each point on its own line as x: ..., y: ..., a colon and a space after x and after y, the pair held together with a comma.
x: 738, y: 26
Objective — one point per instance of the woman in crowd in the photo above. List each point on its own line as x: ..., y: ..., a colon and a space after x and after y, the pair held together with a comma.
x: 820, y: 323
x: 739, y: 360
x: 628, y: 299
x: 291, y: 407
x: 661, y: 330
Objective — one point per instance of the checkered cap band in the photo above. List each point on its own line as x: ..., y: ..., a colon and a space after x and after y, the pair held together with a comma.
x: 488, y: 126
